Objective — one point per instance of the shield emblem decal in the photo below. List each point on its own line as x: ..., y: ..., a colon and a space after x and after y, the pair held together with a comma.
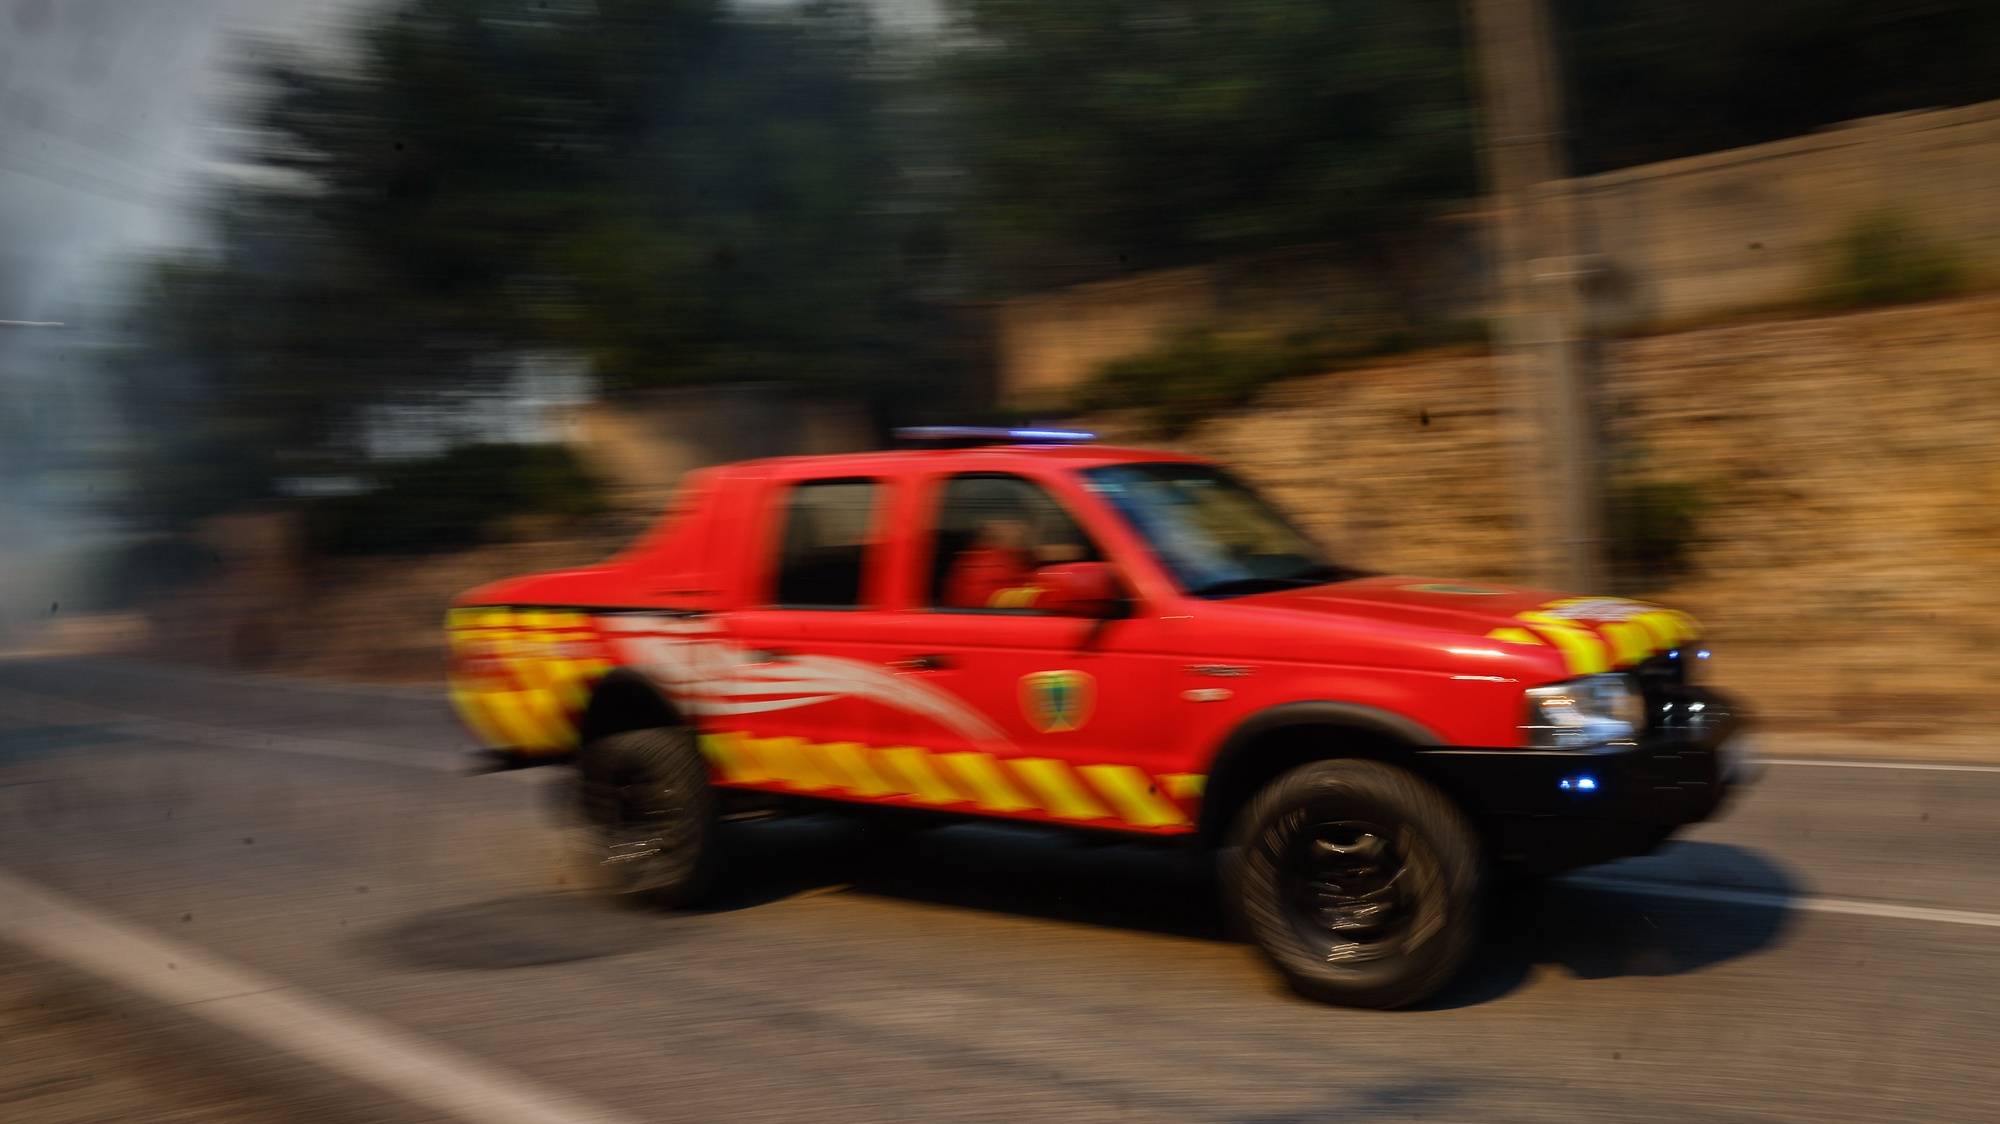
x: 1057, y: 701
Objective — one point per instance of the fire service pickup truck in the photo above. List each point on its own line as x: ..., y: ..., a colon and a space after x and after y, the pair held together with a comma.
x: 1027, y: 627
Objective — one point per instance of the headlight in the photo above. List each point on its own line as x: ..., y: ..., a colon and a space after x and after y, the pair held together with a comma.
x: 1583, y: 712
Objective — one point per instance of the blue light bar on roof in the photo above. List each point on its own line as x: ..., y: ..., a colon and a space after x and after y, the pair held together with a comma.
x: 989, y: 435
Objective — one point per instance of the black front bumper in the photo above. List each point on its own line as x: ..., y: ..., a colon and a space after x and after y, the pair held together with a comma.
x: 1546, y: 810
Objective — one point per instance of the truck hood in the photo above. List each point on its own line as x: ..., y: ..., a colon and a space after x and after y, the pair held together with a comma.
x: 1591, y: 634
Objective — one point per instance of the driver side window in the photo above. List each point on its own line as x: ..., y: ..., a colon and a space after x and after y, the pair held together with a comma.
x: 994, y: 533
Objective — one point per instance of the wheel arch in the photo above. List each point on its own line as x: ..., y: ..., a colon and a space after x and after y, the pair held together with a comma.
x: 1280, y: 738
x: 625, y: 700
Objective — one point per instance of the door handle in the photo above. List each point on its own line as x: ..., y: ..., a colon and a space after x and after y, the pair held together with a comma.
x: 927, y: 662
x: 766, y: 655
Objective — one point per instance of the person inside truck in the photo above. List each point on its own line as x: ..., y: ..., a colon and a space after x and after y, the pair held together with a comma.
x: 994, y: 535
x: 997, y: 561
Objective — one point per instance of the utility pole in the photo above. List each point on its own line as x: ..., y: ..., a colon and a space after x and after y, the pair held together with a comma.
x: 1540, y: 264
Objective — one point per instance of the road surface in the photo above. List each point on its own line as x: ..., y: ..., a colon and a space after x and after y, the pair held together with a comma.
x: 1830, y: 951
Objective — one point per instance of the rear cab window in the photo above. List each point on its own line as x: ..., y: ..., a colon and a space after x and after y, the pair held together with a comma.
x: 826, y: 546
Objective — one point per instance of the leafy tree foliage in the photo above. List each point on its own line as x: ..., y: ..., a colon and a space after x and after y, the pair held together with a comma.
x: 1655, y: 79
x: 680, y: 192
x: 1107, y: 135
x: 1124, y: 134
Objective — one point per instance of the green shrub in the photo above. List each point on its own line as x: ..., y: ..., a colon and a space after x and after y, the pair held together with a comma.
x: 1651, y: 529
x: 453, y: 500
x: 1884, y: 259
x: 1198, y: 374
x: 1205, y: 371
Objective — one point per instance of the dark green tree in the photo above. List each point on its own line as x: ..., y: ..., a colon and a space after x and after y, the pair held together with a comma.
x: 682, y: 193
x: 1103, y: 135
x: 678, y: 191
x: 1656, y: 79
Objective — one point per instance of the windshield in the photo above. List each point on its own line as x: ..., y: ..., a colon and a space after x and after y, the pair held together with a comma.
x: 1216, y: 536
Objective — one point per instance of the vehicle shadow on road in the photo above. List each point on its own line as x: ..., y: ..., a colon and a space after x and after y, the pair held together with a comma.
x: 522, y: 931
x: 1005, y: 871
x: 1073, y: 879
x: 1593, y: 933
x: 1589, y: 933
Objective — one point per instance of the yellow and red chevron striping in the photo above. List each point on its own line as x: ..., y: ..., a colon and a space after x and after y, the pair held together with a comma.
x: 1589, y: 649
x: 521, y: 678
x: 1042, y: 788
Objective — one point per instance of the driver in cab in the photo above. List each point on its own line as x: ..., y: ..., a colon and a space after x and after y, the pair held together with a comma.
x: 997, y: 570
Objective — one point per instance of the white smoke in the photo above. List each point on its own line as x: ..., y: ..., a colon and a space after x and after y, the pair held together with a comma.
x: 110, y: 116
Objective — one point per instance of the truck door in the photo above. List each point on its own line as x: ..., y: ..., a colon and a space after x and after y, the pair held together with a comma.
x: 802, y: 686
x: 1025, y: 713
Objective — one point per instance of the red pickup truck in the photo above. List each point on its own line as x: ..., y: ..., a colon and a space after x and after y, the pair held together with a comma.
x: 1059, y: 633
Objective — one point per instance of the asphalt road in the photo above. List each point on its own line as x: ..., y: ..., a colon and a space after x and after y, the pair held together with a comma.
x: 1844, y: 967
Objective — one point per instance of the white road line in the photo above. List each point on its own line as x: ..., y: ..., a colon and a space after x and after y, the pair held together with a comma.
x: 131, y: 724
x: 424, y: 1073
x: 169, y: 729
x: 418, y: 692
x: 1912, y: 766
x: 43, y: 708
x: 1768, y: 900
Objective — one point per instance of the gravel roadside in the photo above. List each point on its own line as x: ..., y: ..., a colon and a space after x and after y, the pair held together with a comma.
x: 73, y: 1055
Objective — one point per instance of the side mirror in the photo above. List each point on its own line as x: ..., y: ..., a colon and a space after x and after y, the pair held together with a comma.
x: 1080, y: 589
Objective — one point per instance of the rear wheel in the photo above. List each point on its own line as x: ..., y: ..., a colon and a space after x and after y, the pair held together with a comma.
x: 1358, y: 881
x: 652, y: 814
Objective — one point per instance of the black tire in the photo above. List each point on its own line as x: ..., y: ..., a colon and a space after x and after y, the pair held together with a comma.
x: 646, y: 797
x: 1357, y: 880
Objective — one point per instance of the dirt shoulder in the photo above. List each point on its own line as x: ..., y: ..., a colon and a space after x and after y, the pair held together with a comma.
x: 74, y: 1055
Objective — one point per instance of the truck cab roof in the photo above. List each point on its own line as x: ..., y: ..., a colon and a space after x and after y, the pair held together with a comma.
x: 879, y: 460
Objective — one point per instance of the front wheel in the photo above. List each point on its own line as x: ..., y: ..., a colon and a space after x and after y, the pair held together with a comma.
x: 1357, y: 880
x: 651, y: 812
